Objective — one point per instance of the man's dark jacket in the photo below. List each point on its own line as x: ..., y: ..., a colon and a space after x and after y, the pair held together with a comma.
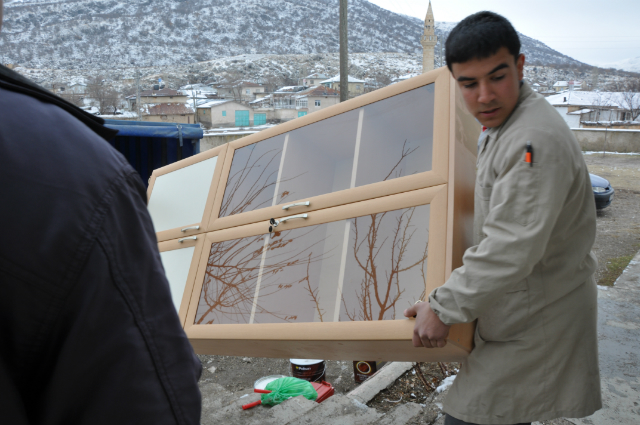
x: 88, y: 331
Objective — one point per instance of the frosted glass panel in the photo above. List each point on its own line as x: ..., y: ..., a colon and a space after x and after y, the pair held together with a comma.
x: 176, y: 265
x: 179, y: 198
x: 365, y: 268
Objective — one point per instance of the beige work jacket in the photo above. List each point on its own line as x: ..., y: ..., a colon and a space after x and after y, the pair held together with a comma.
x: 529, y: 278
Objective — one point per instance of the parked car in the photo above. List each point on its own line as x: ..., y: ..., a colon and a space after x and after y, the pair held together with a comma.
x: 602, y: 191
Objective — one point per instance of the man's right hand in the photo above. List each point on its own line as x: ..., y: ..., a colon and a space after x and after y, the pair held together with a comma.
x: 429, y: 331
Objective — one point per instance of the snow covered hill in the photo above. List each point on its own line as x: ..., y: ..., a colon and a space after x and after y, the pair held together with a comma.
x: 103, y: 34
x: 631, y: 65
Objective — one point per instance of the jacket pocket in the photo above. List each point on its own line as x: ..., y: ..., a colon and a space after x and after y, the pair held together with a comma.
x: 508, y: 318
x: 525, y: 206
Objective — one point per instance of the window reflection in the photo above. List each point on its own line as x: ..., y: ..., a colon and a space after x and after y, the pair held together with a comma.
x: 365, y: 268
x: 252, y: 178
x: 396, y: 140
x: 318, y: 158
x: 397, y: 136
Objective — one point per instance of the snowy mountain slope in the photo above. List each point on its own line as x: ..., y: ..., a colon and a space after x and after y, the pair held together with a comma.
x: 631, y: 65
x: 102, y: 34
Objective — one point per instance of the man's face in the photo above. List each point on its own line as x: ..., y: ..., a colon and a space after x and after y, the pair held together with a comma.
x: 490, y: 86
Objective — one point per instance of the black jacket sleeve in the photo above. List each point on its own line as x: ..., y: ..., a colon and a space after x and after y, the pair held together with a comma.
x: 122, y: 356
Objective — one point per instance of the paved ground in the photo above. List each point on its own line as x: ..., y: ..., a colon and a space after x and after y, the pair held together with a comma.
x: 619, y: 337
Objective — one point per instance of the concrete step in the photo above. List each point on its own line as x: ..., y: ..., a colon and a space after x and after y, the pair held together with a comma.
x: 338, y: 410
x: 400, y: 415
x: 226, y: 408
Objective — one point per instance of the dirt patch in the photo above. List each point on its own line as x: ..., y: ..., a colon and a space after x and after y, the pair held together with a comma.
x: 411, y: 387
x: 618, y: 225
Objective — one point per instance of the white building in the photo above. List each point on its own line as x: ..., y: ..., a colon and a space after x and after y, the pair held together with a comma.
x: 577, y: 107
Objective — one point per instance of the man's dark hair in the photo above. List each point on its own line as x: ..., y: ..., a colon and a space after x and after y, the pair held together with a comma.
x: 479, y: 36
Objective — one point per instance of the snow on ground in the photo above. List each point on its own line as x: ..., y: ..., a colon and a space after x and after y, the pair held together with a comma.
x: 446, y: 384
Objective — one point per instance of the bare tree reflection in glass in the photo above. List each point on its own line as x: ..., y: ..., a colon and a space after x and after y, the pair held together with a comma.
x: 252, y: 178
x: 388, y: 258
x: 235, y: 269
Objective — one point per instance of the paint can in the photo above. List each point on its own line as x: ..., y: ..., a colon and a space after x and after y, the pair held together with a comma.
x: 309, y: 370
x: 364, y: 369
x: 261, y: 383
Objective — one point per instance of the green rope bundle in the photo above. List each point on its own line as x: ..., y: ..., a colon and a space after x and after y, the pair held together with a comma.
x: 287, y: 387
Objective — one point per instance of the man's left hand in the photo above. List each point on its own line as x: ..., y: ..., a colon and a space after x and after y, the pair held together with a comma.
x: 429, y: 331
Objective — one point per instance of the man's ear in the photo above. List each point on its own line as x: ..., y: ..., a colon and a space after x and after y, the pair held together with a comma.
x: 520, y: 66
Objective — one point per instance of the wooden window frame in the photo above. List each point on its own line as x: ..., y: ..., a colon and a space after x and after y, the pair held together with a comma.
x: 177, y: 232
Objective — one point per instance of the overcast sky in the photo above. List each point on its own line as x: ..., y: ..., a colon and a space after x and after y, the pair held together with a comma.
x: 592, y: 31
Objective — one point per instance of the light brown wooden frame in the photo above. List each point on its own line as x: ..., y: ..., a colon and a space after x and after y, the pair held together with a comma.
x: 438, y: 174
x: 220, y: 152
x: 193, y: 267
x: 376, y: 340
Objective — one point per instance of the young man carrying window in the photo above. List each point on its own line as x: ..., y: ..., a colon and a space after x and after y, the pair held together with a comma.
x: 528, y: 281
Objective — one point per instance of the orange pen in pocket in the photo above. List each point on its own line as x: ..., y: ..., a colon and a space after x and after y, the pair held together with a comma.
x: 528, y: 156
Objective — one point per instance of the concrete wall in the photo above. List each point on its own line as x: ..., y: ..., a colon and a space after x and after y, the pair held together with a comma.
x: 162, y: 99
x: 210, y: 142
x: 182, y: 119
x: 616, y: 140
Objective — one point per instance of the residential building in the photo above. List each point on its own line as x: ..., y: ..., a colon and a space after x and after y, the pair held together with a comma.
x: 157, y: 97
x: 356, y: 86
x: 228, y: 113
x: 316, y: 98
x: 578, y: 107
x: 293, y: 102
x: 76, y: 87
x: 567, y: 85
x: 243, y: 90
x: 167, y: 112
x: 314, y: 79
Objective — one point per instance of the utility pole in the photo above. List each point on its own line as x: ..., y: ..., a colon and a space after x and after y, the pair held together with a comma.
x: 138, y: 93
x: 344, y: 53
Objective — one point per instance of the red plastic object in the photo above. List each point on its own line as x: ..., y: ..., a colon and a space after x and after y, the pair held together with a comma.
x: 258, y: 390
x: 250, y: 405
x: 324, y: 390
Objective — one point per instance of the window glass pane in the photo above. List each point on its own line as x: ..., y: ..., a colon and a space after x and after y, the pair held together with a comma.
x: 230, y: 280
x: 367, y: 268
x: 252, y: 178
x: 176, y: 265
x: 179, y: 198
x: 318, y: 158
x: 386, y: 264
x: 397, y: 136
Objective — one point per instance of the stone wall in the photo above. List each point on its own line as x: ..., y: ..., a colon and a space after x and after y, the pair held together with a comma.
x: 592, y: 139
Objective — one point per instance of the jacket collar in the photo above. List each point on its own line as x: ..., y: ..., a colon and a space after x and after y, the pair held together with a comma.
x: 11, y: 80
x: 524, y: 93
